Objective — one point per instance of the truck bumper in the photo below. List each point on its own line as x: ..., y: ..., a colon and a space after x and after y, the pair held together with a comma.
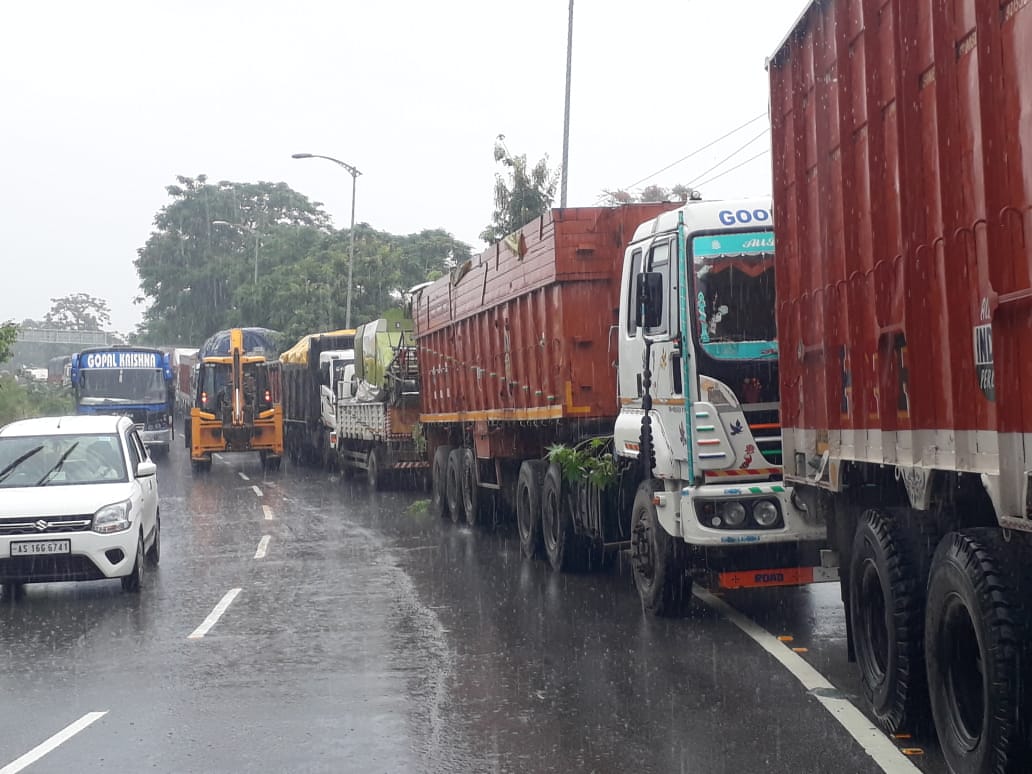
x: 156, y: 437
x: 696, y: 515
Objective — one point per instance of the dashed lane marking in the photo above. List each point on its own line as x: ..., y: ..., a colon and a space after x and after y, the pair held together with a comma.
x: 52, y: 743
x: 875, y: 743
x: 269, y: 515
x: 263, y: 546
x: 214, y: 615
x: 257, y: 491
x: 243, y: 475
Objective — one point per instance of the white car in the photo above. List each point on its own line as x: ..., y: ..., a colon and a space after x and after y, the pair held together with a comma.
x: 78, y: 501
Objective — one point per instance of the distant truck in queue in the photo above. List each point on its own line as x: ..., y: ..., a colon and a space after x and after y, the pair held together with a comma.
x: 134, y: 381
x: 307, y: 376
x: 611, y: 376
x: 902, y: 140
x: 234, y: 409
x: 184, y: 367
x: 377, y: 408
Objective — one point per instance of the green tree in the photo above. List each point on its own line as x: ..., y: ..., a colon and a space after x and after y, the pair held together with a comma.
x: 521, y: 194
x: 194, y: 273
x: 651, y: 193
x: 78, y: 312
x: 8, y: 333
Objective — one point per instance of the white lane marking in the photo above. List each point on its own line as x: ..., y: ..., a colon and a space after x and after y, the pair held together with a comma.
x: 52, y: 743
x: 263, y: 546
x: 269, y: 515
x: 874, y: 742
x: 214, y: 615
x: 243, y: 475
x: 257, y: 491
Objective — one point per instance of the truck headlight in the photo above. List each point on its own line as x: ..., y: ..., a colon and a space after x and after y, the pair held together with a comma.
x: 112, y: 518
x: 734, y: 514
x: 765, y: 513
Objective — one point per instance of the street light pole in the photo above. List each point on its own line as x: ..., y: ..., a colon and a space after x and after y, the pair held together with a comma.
x: 351, y: 249
x: 253, y: 232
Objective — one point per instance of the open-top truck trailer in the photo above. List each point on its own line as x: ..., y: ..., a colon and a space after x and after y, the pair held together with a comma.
x: 611, y: 375
x: 902, y: 157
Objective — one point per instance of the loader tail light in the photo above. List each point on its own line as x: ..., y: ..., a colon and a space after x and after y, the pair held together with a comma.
x: 204, y: 398
x: 268, y: 396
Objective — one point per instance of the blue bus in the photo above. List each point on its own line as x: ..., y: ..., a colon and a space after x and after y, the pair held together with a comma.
x: 135, y: 381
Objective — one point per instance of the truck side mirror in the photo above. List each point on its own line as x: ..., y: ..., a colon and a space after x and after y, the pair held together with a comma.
x: 648, y: 309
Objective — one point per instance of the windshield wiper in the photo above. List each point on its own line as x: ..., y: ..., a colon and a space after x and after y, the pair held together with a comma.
x: 9, y: 469
x: 57, y: 466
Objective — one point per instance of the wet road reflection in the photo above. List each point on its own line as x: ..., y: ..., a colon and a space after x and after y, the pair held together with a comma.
x: 372, y: 637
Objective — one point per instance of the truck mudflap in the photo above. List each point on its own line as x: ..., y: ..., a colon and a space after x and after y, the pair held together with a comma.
x: 781, y: 576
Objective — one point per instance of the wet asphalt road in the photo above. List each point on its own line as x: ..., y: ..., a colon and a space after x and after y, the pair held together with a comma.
x: 372, y: 638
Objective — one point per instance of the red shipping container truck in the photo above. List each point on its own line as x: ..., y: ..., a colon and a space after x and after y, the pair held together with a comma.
x: 902, y: 143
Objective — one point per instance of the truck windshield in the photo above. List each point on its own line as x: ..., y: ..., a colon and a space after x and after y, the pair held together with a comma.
x: 734, y: 295
x: 102, y: 386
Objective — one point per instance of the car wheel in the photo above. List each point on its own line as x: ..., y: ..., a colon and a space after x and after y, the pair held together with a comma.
x: 134, y: 580
x: 154, y: 552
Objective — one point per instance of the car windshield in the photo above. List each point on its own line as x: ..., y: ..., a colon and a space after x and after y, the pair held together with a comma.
x: 55, y: 460
x: 102, y: 386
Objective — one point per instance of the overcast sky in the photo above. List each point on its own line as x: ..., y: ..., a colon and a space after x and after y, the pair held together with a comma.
x: 104, y: 103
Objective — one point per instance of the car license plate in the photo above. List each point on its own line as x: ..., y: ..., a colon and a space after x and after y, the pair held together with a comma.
x: 41, y: 547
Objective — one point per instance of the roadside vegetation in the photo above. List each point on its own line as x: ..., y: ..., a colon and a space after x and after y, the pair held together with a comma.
x: 22, y: 400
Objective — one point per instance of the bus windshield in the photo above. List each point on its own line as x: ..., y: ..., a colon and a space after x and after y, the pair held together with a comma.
x: 101, y: 386
x: 734, y: 295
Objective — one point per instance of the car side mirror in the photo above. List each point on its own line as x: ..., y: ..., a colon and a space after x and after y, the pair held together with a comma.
x: 146, y: 468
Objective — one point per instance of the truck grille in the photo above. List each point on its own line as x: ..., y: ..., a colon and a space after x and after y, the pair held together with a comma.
x: 47, y: 525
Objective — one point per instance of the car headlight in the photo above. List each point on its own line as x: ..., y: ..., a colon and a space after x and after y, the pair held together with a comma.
x: 734, y: 514
x: 765, y: 513
x: 112, y: 518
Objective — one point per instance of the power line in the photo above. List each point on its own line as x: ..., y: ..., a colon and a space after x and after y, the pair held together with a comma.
x: 696, y: 151
x: 727, y: 158
x: 763, y: 152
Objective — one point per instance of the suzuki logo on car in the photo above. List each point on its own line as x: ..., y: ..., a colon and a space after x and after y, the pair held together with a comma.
x: 42, y: 525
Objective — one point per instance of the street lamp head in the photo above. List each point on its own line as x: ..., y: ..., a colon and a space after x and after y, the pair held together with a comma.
x: 301, y: 156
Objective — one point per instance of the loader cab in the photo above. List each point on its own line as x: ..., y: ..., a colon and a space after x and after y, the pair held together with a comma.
x: 215, y: 389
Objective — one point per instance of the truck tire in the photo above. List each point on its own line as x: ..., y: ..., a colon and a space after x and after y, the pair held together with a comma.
x: 201, y: 466
x: 887, y: 572
x: 470, y: 489
x: 439, y: 482
x: 528, y: 505
x: 658, y: 563
x: 453, y: 488
x: 975, y: 632
x: 563, y: 546
x: 374, y: 469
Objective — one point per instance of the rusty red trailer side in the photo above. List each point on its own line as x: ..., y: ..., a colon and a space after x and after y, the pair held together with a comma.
x: 902, y: 144
x: 522, y: 332
x: 902, y: 141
